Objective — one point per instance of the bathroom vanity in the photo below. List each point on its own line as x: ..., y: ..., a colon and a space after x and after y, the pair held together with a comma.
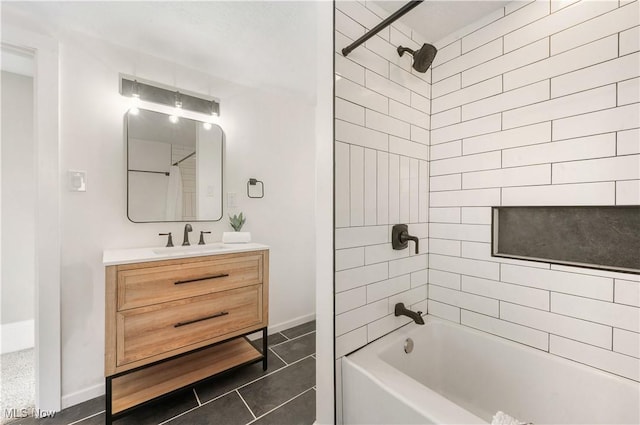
x: 177, y: 316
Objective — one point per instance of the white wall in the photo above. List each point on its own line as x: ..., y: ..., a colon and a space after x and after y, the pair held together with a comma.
x: 92, y: 140
x: 381, y: 178
x: 538, y: 107
x: 18, y: 201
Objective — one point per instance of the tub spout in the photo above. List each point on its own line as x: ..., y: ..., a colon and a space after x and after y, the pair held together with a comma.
x: 401, y: 310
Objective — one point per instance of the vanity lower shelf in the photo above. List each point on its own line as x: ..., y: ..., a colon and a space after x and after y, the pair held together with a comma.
x: 134, y: 388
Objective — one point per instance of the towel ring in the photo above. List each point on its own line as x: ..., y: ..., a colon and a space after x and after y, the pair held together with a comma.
x: 254, y: 182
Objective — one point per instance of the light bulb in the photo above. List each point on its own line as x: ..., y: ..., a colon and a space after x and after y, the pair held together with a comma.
x: 135, y: 102
x: 206, y: 125
x: 178, y: 102
x: 174, y: 119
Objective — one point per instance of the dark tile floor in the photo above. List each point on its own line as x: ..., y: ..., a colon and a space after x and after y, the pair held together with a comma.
x: 284, y: 394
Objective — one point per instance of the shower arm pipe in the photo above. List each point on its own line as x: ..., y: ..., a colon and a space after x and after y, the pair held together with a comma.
x: 185, y: 158
x: 397, y: 14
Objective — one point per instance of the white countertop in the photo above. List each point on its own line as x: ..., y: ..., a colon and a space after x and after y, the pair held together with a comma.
x: 111, y: 257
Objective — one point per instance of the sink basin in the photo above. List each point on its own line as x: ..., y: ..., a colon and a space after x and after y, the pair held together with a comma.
x: 180, y: 250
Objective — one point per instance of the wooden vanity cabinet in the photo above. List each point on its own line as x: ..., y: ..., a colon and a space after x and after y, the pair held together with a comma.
x: 172, y: 323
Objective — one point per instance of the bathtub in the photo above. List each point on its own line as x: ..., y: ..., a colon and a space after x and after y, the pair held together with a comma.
x: 456, y: 375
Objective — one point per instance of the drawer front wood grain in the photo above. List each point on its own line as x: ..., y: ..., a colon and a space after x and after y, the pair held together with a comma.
x: 152, y: 285
x: 152, y: 330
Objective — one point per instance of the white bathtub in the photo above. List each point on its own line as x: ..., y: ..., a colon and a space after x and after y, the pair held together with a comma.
x: 456, y: 375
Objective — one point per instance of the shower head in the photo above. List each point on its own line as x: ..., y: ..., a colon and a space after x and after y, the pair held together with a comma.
x: 422, y: 58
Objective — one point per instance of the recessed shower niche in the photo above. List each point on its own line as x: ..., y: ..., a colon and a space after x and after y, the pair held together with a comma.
x: 601, y: 237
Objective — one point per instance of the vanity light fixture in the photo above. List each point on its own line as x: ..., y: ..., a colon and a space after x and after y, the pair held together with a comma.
x: 174, y: 118
x: 148, y: 91
x: 135, y: 99
x: 134, y: 110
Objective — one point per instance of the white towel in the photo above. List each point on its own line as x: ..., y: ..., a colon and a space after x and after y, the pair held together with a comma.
x: 174, y: 194
x: 502, y: 418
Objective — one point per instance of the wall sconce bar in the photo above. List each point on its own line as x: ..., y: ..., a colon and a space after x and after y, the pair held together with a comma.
x: 149, y: 92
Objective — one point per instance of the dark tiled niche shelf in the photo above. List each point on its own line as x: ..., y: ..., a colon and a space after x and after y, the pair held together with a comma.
x: 601, y: 237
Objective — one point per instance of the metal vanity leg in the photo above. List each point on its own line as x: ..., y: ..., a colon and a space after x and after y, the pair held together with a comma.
x: 108, y: 404
x: 264, y: 348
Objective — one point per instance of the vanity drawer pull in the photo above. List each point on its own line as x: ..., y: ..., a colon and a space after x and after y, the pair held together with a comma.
x: 215, y: 276
x: 222, y: 313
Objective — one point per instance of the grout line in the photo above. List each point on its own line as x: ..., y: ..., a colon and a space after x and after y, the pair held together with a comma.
x: 549, y: 332
x: 197, y: 398
x: 245, y: 403
x: 90, y: 416
x: 286, y: 337
x: 200, y: 404
x: 279, y: 406
x: 281, y: 359
x: 523, y: 186
x: 181, y: 414
x: 549, y: 161
x: 612, y: 337
x: 528, y: 105
x: 289, y: 340
x: 348, y: 160
x: 246, y: 384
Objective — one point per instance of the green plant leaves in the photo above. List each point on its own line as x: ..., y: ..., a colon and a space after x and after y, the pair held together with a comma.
x: 237, y: 221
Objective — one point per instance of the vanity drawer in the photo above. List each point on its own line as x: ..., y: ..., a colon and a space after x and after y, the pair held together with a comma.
x: 152, y: 330
x: 140, y: 287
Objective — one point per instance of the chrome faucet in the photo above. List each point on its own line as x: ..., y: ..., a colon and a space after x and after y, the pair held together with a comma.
x: 187, y: 229
x: 401, y: 310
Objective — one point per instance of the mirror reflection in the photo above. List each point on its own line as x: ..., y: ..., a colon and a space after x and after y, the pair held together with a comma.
x: 174, y: 168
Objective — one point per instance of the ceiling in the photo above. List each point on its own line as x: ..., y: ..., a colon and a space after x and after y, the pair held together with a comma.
x: 266, y: 43
x: 435, y: 19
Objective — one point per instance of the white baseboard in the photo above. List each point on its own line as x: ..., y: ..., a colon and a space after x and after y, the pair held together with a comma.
x: 284, y: 325
x: 291, y: 323
x: 98, y: 390
x: 82, y: 395
x: 17, y: 336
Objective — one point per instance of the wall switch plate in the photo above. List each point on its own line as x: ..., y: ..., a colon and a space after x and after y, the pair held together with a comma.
x: 232, y: 199
x: 77, y: 181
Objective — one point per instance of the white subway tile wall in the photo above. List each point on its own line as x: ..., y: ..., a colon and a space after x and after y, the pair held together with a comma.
x: 382, y: 121
x: 551, y: 120
x: 536, y: 104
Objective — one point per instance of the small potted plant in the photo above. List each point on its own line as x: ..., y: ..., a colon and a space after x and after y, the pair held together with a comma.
x: 236, y: 222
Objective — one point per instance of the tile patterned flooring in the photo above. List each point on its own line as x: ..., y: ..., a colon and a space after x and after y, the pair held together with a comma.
x: 284, y: 394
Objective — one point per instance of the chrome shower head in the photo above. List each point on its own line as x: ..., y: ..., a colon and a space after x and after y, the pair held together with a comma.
x: 422, y: 58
